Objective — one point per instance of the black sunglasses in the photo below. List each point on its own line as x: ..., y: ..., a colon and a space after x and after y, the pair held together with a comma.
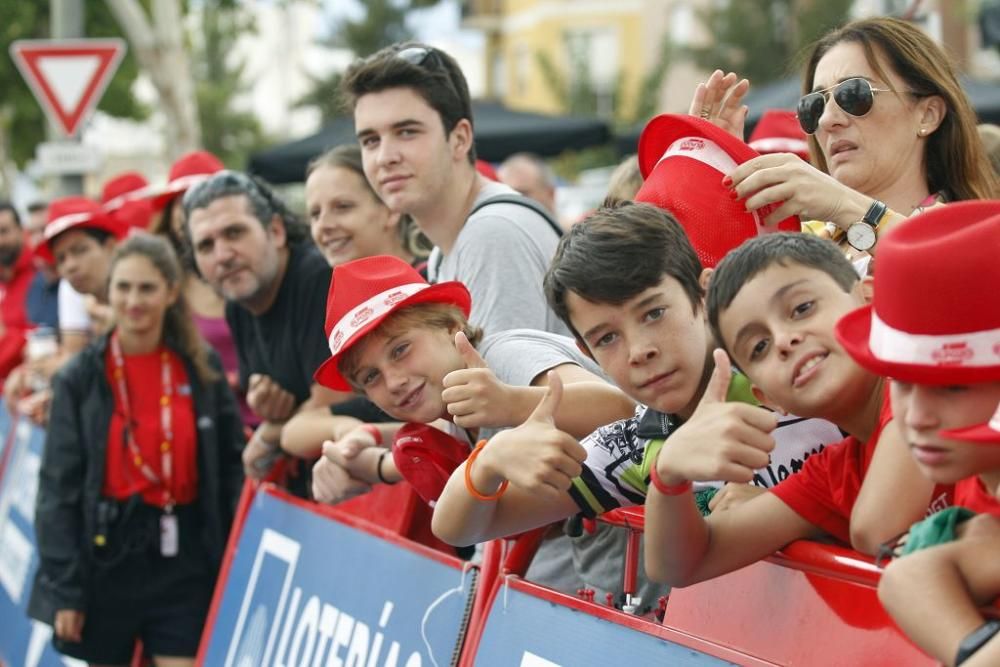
x: 854, y: 96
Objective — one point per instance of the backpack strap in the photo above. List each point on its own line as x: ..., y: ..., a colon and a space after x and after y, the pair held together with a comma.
x: 434, y: 261
x: 520, y: 200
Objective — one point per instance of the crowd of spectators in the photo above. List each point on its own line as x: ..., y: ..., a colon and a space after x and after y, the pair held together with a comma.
x: 714, y: 343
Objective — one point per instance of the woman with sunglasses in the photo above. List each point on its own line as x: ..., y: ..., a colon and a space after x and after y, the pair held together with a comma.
x: 139, y: 478
x: 890, y: 131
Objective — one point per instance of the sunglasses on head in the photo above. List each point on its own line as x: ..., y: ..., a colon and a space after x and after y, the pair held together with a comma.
x: 854, y: 96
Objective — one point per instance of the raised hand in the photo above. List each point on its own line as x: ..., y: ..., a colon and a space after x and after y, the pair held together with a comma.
x: 534, y: 456
x: 721, y: 441
x: 475, y: 397
x: 720, y: 101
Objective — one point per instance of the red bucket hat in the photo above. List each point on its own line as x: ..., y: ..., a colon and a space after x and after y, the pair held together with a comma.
x: 929, y: 322
x: 124, y: 199
x: 779, y: 131
x: 75, y: 213
x: 364, y: 292
x: 683, y: 160
x: 187, y: 171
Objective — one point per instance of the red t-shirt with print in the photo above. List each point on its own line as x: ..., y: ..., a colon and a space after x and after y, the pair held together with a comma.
x: 122, y: 477
x: 971, y: 493
x: 824, y: 491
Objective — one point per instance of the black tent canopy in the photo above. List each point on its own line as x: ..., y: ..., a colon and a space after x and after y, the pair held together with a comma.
x: 499, y: 131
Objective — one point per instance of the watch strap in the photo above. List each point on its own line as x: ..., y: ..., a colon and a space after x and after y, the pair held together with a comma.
x: 875, y: 213
x: 975, y: 640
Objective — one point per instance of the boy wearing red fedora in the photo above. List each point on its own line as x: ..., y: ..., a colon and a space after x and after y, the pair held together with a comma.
x: 930, y: 330
x: 409, y: 348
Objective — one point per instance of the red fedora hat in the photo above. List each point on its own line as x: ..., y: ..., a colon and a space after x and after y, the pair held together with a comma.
x: 932, y: 320
x: 683, y: 160
x: 75, y: 213
x: 124, y: 198
x: 189, y: 169
x: 779, y: 131
x: 426, y: 457
x: 364, y: 292
x: 988, y: 433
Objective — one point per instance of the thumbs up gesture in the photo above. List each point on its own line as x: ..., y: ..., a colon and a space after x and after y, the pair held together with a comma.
x: 534, y: 456
x: 475, y: 397
x: 721, y: 441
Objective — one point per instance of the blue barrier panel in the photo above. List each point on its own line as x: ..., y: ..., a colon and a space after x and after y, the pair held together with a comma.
x: 304, y: 589
x: 22, y: 641
x: 524, y: 629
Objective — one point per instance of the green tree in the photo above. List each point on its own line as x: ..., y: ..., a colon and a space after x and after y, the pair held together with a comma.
x: 762, y: 39
x: 230, y: 133
x: 383, y: 23
x: 22, y: 123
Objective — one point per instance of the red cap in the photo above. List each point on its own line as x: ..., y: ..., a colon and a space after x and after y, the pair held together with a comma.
x: 364, y: 292
x: 75, y: 213
x: 779, y: 131
x: 426, y: 456
x: 683, y: 160
x: 188, y: 170
x: 125, y: 199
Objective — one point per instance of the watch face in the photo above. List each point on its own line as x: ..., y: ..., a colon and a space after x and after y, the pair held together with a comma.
x: 861, y: 236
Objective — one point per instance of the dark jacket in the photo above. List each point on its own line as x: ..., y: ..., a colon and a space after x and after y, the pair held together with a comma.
x: 72, y: 475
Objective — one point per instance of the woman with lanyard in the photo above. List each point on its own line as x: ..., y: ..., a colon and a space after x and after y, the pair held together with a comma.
x: 890, y: 133
x: 139, y: 478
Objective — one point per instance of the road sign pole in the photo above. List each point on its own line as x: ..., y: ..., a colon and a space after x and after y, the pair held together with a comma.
x: 67, y: 23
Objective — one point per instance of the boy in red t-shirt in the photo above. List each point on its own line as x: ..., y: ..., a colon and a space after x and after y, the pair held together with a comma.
x: 931, y: 331
x: 773, y: 303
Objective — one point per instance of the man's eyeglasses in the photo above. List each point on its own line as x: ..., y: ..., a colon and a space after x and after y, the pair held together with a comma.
x: 419, y: 56
x: 854, y: 96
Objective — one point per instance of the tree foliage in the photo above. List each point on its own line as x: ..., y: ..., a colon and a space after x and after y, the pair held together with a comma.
x: 227, y: 131
x: 383, y: 23
x: 21, y: 118
x: 762, y: 39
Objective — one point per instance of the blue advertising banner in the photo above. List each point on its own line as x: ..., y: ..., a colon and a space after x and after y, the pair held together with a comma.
x: 306, y: 590
x: 22, y: 640
x: 524, y: 630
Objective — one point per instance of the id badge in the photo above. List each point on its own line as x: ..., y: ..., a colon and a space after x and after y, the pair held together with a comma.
x: 168, y: 535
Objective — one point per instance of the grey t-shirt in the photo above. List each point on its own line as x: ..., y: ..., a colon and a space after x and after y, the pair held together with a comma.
x: 502, y: 254
x: 567, y: 564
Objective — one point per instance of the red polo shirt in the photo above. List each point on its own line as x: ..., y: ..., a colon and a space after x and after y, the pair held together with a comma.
x: 971, y: 493
x: 13, y: 315
x: 122, y: 477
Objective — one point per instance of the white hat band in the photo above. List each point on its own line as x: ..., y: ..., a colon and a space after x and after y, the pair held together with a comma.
x: 62, y: 223
x: 373, y: 307
x: 976, y: 349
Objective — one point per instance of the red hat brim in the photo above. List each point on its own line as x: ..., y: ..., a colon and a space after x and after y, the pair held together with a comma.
x: 853, y: 331
x: 663, y: 130
x: 105, y: 223
x: 982, y: 434
x: 452, y: 292
x: 174, y: 189
x: 426, y: 457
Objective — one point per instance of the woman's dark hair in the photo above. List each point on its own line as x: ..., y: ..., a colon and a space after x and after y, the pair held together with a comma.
x: 348, y: 157
x: 955, y: 159
x: 179, y: 330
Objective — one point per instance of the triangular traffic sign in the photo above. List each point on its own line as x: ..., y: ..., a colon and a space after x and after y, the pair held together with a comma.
x: 68, y: 77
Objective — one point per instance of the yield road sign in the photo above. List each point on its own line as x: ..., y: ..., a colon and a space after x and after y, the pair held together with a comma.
x: 68, y: 77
